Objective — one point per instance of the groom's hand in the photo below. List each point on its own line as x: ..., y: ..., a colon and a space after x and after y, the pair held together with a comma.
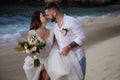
x: 65, y: 50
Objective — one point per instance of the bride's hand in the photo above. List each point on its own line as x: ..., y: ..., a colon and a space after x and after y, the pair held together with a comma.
x: 31, y: 54
x: 65, y: 50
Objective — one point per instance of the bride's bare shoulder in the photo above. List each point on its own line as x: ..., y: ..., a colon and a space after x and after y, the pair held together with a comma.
x: 30, y: 33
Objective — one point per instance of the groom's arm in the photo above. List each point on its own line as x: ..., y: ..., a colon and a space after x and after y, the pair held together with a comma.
x: 73, y: 44
x: 77, y: 29
x: 66, y: 49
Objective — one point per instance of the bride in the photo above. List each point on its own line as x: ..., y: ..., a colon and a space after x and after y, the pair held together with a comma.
x: 54, y: 66
x: 37, y: 27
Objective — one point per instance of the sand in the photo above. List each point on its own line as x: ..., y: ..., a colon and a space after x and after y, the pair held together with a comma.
x: 102, y: 47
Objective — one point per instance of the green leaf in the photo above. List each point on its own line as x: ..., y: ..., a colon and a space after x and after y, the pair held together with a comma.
x: 37, y: 63
x: 18, y: 48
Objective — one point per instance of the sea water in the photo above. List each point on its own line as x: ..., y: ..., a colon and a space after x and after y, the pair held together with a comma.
x: 15, y: 19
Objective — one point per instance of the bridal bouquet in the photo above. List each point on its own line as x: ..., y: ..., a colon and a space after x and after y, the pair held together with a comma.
x: 31, y: 46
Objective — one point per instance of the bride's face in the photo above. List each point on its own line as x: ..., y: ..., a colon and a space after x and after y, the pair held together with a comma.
x: 43, y: 18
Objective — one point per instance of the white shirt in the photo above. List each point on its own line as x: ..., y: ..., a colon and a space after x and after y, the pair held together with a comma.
x: 75, y: 33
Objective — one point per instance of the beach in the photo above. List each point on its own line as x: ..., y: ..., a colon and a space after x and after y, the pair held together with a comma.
x: 101, y: 47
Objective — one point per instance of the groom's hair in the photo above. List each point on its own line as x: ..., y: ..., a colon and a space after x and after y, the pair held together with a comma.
x: 52, y: 5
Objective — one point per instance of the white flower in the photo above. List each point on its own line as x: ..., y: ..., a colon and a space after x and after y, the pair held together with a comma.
x: 64, y: 31
x: 25, y: 46
x: 34, y: 48
x: 27, y: 51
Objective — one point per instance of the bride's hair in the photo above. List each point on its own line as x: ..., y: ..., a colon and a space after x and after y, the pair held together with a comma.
x: 35, y: 20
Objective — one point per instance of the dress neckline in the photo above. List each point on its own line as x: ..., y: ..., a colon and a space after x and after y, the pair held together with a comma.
x: 41, y: 38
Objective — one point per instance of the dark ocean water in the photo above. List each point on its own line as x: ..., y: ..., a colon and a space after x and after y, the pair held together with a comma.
x: 15, y: 19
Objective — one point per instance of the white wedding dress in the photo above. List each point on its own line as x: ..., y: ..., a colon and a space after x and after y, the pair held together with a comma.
x: 63, y: 67
x: 32, y: 72
x: 57, y: 66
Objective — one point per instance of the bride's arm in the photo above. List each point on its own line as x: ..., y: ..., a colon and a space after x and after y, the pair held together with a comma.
x: 29, y: 35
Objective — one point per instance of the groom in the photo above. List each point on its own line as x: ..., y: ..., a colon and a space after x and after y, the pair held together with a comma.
x: 68, y: 33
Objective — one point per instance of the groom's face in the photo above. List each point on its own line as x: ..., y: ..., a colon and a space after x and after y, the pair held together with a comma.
x: 50, y: 14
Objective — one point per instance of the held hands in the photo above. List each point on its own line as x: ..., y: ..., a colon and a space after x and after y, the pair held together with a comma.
x: 65, y: 50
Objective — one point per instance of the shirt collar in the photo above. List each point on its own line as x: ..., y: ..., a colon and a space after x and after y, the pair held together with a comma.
x: 62, y: 21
